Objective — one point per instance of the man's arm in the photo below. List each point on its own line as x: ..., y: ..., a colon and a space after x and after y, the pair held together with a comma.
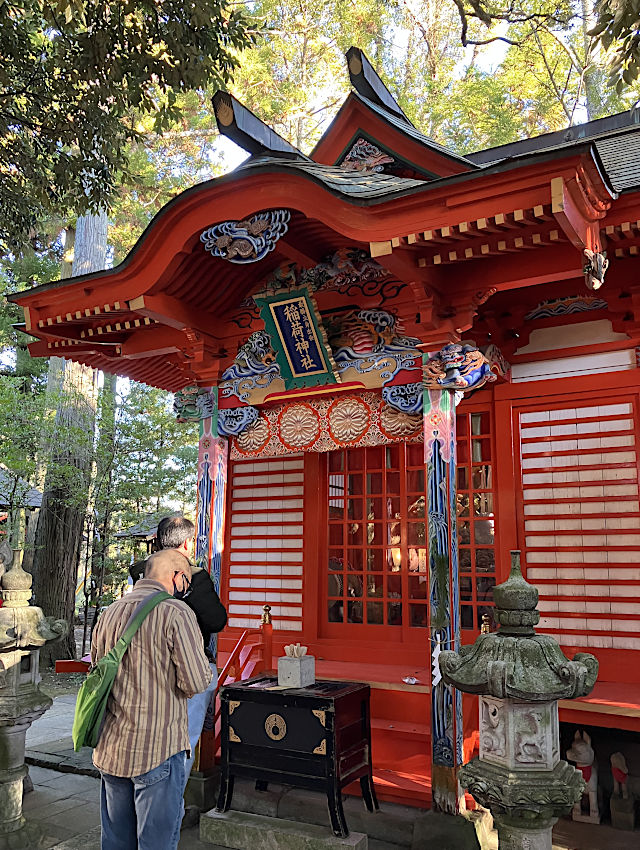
x: 205, y: 603
x: 193, y: 672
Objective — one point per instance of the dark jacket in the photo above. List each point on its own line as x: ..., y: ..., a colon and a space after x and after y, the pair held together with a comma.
x: 205, y: 604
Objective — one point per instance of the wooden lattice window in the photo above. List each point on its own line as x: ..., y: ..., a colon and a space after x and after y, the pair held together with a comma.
x: 377, y: 559
x: 476, y: 516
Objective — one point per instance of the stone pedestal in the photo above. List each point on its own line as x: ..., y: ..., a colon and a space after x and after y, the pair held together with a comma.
x: 524, y: 838
x: 240, y: 830
x: 202, y: 789
x: 623, y: 813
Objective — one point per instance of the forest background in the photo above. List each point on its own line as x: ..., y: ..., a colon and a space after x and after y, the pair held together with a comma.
x: 80, y: 188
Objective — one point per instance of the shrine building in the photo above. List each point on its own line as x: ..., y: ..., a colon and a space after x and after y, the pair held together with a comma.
x: 405, y: 363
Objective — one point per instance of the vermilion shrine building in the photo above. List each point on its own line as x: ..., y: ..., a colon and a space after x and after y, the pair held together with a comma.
x: 302, y: 308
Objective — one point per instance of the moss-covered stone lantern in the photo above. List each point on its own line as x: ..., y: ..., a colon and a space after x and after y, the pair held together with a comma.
x: 519, y: 676
x: 23, y: 630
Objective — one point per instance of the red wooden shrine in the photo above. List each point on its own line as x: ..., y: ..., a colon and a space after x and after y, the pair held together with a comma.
x: 317, y: 503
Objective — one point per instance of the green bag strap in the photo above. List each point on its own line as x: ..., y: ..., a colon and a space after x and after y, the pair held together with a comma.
x: 136, y: 620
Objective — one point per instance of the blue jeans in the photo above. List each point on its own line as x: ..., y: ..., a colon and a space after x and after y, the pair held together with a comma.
x: 197, y: 710
x: 144, y: 812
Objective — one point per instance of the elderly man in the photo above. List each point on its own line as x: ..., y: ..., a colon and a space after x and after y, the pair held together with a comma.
x: 144, y: 743
x: 177, y: 534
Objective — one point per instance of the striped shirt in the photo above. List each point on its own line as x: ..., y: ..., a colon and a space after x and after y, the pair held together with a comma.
x: 146, y: 717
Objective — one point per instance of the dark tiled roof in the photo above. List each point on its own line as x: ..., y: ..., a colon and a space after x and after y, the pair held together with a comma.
x: 620, y: 157
x: 348, y: 183
x: 551, y: 141
x: 148, y: 525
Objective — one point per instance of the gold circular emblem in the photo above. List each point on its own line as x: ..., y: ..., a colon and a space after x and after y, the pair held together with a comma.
x: 275, y: 727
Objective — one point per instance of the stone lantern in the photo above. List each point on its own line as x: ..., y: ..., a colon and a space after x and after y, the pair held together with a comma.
x: 23, y: 630
x: 520, y: 676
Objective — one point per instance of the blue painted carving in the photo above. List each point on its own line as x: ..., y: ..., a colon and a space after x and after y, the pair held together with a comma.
x: 255, y: 367
x: 249, y: 240
x: 457, y: 366
x: 566, y: 306
x: 234, y: 420
x: 404, y: 397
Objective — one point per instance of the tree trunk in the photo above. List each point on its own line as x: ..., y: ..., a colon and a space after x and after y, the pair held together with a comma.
x: 55, y: 374
x: 592, y: 94
x: 64, y: 504
x: 103, y: 492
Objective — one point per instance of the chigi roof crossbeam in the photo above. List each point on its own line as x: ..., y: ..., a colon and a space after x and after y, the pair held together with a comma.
x: 245, y: 129
x: 365, y: 80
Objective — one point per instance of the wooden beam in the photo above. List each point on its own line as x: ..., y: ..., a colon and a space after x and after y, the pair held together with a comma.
x: 366, y: 82
x: 572, y: 211
x: 173, y: 313
x: 380, y: 249
x: 247, y: 130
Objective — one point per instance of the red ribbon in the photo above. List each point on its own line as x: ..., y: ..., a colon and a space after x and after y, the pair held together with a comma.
x: 586, y: 771
x: 619, y: 775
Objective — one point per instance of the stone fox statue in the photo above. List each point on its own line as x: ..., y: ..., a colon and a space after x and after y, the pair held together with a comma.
x: 620, y: 773
x: 581, y: 752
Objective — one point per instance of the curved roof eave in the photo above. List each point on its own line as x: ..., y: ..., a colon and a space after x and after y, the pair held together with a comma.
x: 356, y: 190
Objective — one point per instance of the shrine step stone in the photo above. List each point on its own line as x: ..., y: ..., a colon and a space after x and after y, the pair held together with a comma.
x: 240, y: 830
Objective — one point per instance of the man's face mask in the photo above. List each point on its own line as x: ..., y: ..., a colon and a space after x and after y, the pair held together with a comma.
x: 180, y: 593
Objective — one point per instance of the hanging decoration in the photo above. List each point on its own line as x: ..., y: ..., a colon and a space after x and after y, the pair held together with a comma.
x: 595, y: 268
x: 249, y: 240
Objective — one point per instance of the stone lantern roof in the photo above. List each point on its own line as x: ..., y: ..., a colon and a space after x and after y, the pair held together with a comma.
x: 515, y: 662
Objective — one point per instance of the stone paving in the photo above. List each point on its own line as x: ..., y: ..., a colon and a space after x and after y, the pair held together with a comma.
x: 65, y: 799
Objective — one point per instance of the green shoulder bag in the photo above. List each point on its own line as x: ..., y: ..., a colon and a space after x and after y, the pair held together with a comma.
x: 91, y: 704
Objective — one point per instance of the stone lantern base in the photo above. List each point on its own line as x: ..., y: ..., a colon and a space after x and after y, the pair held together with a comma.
x: 525, y: 804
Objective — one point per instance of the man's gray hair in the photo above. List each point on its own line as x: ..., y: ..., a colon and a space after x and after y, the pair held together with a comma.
x: 173, y: 531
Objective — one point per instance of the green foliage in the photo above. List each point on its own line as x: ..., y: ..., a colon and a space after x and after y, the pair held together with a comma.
x: 295, y: 77
x: 73, y: 75
x: 154, y: 462
x: 618, y: 27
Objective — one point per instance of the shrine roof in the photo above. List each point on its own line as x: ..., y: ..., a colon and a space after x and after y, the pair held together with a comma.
x: 353, y: 185
x: 615, y: 139
x: 577, y: 133
x: 620, y: 156
x: 408, y: 129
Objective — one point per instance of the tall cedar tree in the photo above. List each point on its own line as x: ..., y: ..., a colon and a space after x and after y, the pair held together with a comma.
x: 73, y: 72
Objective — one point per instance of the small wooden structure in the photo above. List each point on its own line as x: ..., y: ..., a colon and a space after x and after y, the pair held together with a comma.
x: 303, y: 309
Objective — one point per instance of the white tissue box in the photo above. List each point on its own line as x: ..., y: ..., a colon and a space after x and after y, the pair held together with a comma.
x: 296, y: 672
